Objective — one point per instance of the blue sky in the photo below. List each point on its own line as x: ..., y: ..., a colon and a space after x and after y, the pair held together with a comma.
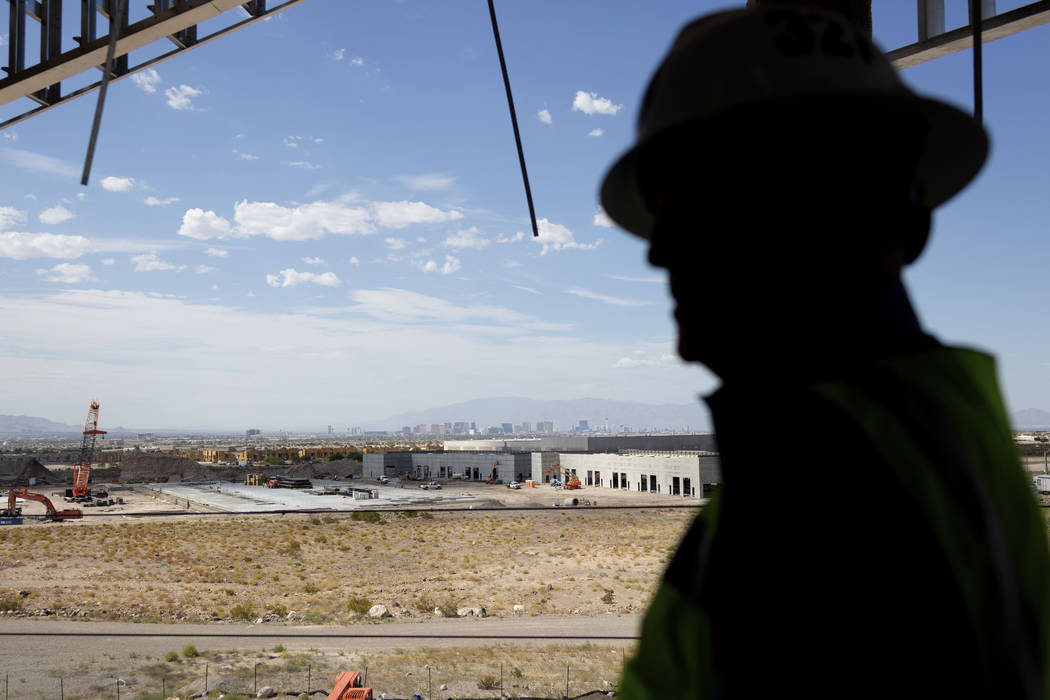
x: 320, y: 219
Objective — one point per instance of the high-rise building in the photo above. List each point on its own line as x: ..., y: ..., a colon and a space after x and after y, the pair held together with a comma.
x: 544, y: 426
x: 437, y: 429
x: 508, y: 428
x: 406, y: 429
x: 420, y: 429
x: 582, y: 426
x: 329, y: 430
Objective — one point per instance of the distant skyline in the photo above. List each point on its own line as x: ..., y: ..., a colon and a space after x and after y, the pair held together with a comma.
x: 321, y: 218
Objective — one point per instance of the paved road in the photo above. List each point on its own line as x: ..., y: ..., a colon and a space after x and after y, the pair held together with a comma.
x: 68, y: 640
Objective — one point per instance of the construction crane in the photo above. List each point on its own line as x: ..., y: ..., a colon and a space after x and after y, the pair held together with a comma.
x: 52, y: 513
x: 564, y: 477
x: 82, y: 467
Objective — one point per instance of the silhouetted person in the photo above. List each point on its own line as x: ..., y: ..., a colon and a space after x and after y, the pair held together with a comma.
x: 874, y: 535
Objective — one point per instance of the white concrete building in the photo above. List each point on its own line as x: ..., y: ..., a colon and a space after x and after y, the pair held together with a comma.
x: 674, y: 473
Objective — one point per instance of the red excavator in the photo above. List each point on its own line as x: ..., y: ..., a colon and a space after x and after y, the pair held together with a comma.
x: 52, y: 514
x: 348, y: 687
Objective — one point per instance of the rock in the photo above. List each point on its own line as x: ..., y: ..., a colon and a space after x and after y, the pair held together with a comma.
x: 443, y: 686
x: 266, y: 692
x: 519, y: 608
x: 464, y: 612
x: 226, y: 667
x: 378, y: 611
x: 290, y: 615
x: 438, y: 613
x: 480, y: 612
x: 258, y: 621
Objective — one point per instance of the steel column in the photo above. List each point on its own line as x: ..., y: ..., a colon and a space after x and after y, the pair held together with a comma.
x: 16, y: 38
x: 931, y: 18
x: 110, y: 10
x: 255, y: 8
x: 88, y: 22
x: 50, y: 45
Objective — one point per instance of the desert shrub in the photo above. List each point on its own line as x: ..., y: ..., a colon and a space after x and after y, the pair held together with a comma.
x: 449, y: 606
x: 515, y: 672
x: 608, y: 597
x: 278, y: 649
x: 242, y: 611
x: 309, y: 588
x: 358, y: 604
x: 366, y: 516
x: 10, y: 601
x: 408, y: 514
x: 488, y: 683
x: 425, y: 604
x: 172, y: 657
x: 425, y: 515
x: 190, y: 651
x: 277, y: 609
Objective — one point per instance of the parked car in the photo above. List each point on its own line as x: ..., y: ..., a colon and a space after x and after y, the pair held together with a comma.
x: 514, y: 485
x: 430, y: 485
x: 383, y: 480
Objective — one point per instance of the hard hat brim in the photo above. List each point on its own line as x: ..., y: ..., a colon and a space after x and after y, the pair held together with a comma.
x: 954, y: 150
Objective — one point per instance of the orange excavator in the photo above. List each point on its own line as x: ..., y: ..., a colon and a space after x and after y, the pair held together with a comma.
x: 52, y: 514
x: 348, y: 686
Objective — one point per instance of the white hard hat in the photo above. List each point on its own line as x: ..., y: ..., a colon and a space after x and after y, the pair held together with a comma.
x: 785, y: 58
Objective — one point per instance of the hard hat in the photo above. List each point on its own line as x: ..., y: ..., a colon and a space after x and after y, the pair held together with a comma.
x: 787, y: 58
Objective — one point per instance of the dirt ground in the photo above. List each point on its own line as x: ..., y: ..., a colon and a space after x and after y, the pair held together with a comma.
x: 332, y: 568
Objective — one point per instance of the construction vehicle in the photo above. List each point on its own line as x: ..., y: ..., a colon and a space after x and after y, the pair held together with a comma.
x: 564, y: 478
x: 82, y: 467
x: 52, y: 513
x: 493, y: 477
x: 349, y: 686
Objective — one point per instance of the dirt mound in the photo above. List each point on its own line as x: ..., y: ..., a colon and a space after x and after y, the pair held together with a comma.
x: 141, y: 466
x: 340, y: 468
x: 19, y: 470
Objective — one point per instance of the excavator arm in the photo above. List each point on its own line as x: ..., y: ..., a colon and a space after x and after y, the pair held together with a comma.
x: 52, y: 513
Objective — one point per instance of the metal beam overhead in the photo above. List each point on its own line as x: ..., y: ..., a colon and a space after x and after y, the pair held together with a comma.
x: 93, y: 54
x: 175, y: 19
x: 1034, y: 14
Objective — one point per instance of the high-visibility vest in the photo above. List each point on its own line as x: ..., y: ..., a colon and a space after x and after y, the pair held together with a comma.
x: 935, y: 419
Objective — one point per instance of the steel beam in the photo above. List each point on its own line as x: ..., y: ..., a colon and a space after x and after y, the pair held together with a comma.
x: 5, y: 84
x: 255, y: 8
x: 1034, y: 14
x: 93, y: 53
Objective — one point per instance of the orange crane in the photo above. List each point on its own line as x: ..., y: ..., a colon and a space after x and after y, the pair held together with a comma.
x: 82, y: 467
x: 52, y: 514
x: 348, y: 687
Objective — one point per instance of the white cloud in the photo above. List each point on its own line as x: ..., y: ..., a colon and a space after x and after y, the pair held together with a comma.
x: 56, y: 215
x: 394, y: 243
x: 205, y: 269
x: 313, y: 261
x: 627, y: 278
x: 602, y: 219
x: 347, y: 215
x: 510, y: 239
x: 357, y: 61
x: 217, y: 253
x: 30, y: 196
x: 8, y: 134
x: 404, y: 213
x: 9, y: 216
x: 353, y: 260
x: 628, y: 361
x: 291, y: 278
x: 108, y: 261
x: 450, y: 265
x: 181, y: 97
x: 511, y: 264
x: 530, y: 290
x: 557, y: 237
x: 304, y: 164
x: 292, y: 141
x: 337, y: 55
x: 590, y: 103
x: 545, y: 116
x: 401, y: 305
x: 147, y: 80
x: 466, y: 238
x: 204, y: 225
x: 67, y: 273
x: 300, y: 223
x: 605, y: 299
x: 81, y: 196
x: 245, y: 156
x: 117, y: 184
x: 37, y: 163
x: 151, y: 262
x: 426, y: 181
x: 152, y: 201
x: 595, y: 132
x: 22, y: 246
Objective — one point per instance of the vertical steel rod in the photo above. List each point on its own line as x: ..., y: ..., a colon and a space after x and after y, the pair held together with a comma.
x: 114, y: 34
x: 513, y: 119
x: 978, y: 69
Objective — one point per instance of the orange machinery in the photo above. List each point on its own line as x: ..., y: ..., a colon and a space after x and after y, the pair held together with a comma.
x: 568, y: 478
x: 52, y: 514
x: 82, y: 467
x: 348, y: 687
